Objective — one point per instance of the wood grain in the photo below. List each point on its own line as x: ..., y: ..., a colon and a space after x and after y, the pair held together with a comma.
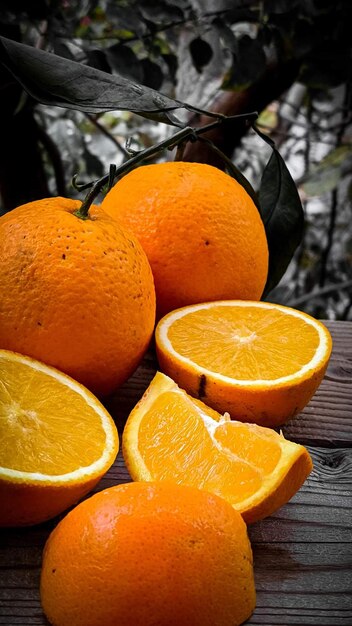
x: 302, y: 554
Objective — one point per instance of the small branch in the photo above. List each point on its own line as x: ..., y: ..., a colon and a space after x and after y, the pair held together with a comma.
x: 55, y: 157
x: 331, y: 229
x: 319, y: 292
x: 107, y: 134
x: 187, y: 133
x: 334, y: 195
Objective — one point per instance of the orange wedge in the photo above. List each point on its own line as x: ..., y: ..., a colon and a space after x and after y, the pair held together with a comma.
x: 171, y: 436
x: 258, y: 361
x: 57, y: 441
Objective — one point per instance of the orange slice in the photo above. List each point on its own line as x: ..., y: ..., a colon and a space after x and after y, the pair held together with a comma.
x: 57, y: 441
x: 260, y: 362
x: 171, y: 436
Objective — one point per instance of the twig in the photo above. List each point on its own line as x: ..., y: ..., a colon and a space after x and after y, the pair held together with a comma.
x: 55, y: 157
x: 334, y: 197
x: 107, y: 134
x: 188, y: 133
x: 319, y: 292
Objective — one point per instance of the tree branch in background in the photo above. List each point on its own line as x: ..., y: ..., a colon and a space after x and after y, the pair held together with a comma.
x: 317, y: 293
x: 107, y: 134
x: 270, y: 86
x: 54, y: 156
x: 334, y: 194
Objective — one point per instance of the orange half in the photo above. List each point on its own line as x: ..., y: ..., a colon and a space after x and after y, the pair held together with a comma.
x: 171, y: 436
x: 57, y: 440
x: 260, y: 362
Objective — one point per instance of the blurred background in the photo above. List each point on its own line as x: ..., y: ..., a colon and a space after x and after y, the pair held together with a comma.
x: 290, y: 60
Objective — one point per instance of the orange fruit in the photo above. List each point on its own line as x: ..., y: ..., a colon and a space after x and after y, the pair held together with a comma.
x: 75, y: 293
x: 201, y: 231
x: 258, y: 361
x: 171, y: 436
x: 57, y: 441
x: 144, y: 554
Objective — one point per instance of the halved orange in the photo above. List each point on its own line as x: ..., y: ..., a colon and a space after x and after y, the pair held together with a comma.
x: 258, y: 361
x: 57, y: 441
x: 171, y: 436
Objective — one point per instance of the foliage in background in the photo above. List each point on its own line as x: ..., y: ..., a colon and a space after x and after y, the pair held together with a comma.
x: 233, y: 54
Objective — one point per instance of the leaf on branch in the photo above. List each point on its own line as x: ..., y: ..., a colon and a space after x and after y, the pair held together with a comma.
x: 282, y: 215
x: 53, y: 80
x: 123, y: 60
x: 201, y: 53
x: 326, y: 175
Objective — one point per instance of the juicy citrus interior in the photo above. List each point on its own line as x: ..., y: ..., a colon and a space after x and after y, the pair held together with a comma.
x: 259, y: 361
x: 169, y: 436
x: 245, y: 343
x: 57, y: 440
x: 39, y: 424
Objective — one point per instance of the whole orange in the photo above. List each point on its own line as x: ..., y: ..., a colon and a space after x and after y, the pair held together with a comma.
x: 75, y: 293
x: 201, y: 231
x: 142, y: 554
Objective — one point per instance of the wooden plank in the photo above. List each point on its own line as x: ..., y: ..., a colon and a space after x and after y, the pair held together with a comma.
x: 302, y: 554
x: 327, y: 420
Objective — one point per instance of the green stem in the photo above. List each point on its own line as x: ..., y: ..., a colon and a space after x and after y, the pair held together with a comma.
x: 187, y: 133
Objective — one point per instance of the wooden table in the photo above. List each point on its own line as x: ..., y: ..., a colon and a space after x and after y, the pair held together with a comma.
x: 302, y: 554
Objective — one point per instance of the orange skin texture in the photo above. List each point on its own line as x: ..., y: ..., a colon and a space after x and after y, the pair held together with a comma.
x: 266, y: 407
x: 201, y: 231
x: 75, y: 294
x: 145, y: 554
x: 294, y: 479
x: 25, y: 504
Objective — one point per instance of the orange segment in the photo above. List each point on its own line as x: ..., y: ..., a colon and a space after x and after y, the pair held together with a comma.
x: 57, y: 440
x: 169, y: 436
x: 261, y: 362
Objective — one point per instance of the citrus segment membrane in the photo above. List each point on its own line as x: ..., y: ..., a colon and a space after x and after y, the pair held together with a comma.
x: 169, y: 436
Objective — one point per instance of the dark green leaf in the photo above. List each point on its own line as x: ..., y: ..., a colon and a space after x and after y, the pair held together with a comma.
x: 326, y: 175
x: 282, y: 215
x: 152, y: 74
x: 125, y: 18
x: 248, y: 63
x: 172, y: 64
x: 124, y: 61
x: 201, y: 53
x: 327, y: 68
x: 227, y: 37
x: 159, y: 12
x: 97, y: 58
x: 53, y: 80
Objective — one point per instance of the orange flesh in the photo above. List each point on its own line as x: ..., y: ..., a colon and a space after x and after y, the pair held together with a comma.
x: 232, y: 463
x: 39, y: 440
x: 243, y: 343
